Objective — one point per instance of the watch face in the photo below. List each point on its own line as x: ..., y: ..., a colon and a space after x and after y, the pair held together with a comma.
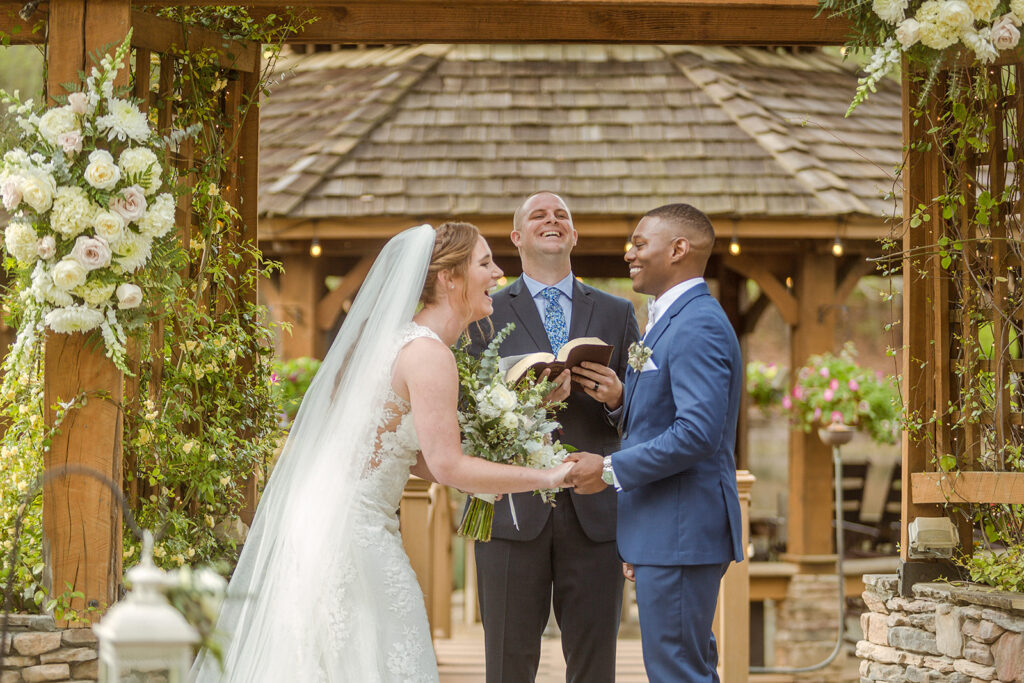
x: 606, y: 477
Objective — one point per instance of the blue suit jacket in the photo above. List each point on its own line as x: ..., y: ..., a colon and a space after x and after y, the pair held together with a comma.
x: 678, y: 504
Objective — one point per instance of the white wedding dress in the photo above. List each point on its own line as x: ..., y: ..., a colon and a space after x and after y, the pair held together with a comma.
x: 323, y: 590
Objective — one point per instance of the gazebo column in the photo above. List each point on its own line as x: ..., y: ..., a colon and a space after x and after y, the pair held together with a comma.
x: 302, y: 286
x: 730, y: 295
x: 81, y: 518
x: 809, y: 517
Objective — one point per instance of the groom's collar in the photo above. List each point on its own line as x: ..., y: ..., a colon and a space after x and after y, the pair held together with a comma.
x: 660, y: 306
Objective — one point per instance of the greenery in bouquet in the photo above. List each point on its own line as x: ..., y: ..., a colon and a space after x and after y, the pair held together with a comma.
x: 834, y: 388
x: 926, y: 32
x: 766, y: 384
x: 291, y: 380
x: 503, y: 423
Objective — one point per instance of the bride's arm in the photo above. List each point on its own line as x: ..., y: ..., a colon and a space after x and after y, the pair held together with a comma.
x: 426, y: 368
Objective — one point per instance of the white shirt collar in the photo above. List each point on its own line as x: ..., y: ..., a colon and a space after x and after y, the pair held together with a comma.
x: 658, y: 306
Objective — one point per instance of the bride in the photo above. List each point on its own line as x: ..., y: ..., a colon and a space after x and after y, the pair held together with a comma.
x: 323, y: 590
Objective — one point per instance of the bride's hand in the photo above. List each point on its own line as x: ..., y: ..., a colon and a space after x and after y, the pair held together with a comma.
x: 558, y: 475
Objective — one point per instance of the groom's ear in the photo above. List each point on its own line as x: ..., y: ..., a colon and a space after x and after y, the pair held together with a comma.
x: 680, y: 248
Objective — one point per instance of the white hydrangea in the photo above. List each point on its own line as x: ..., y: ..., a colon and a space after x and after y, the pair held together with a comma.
x: 980, y: 42
x: 73, y: 211
x: 1017, y: 8
x: 123, y: 121
x: 936, y: 32
x: 21, y: 242
x: 982, y: 9
x: 94, y: 293
x: 159, y: 219
x: 74, y: 318
x: 890, y: 11
x: 133, y: 251
x: 56, y: 121
x: 137, y: 161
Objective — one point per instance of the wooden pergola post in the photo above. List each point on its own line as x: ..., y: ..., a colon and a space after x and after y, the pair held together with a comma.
x: 302, y: 287
x: 81, y: 518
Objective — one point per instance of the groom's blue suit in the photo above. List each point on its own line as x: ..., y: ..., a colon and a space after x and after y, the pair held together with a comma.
x: 679, y: 512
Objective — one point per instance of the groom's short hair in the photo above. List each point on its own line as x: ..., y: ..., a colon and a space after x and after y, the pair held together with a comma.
x: 687, y: 217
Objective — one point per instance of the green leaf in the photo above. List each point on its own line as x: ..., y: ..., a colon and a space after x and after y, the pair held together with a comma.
x: 947, y: 463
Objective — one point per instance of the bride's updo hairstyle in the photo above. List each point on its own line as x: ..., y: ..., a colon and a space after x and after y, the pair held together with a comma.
x: 453, y: 247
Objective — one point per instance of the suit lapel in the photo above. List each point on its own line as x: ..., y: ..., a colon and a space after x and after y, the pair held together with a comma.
x: 526, y: 312
x: 582, y: 309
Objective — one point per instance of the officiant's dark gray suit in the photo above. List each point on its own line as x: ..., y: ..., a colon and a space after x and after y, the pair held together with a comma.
x: 570, y: 549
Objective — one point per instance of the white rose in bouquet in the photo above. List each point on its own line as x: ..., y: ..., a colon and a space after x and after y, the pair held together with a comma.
x: 10, y: 190
x: 75, y: 318
x: 890, y: 11
x: 79, y: 103
x: 56, y: 121
x: 159, y: 219
x: 37, y: 188
x: 956, y: 13
x: 130, y: 296
x: 908, y: 32
x: 47, y: 247
x: 69, y: 273
x: 70, y: 142
x: 130, y: 204
x: 91, y: 252
x: 21, y: 242
x: 109, y: 226
x: 1005, y: 34
x: 94, y: 293
x: 72, y: 211
x: 509, y: 421
x: 102, y: 173
x: 135, y: 162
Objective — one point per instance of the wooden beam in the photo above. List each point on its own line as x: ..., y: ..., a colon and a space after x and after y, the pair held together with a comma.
x: 848, y: 280
x: 302, y: 284
x: 167, y: 36
x: 329, y: 308
x: 967, y: 487
x: 769, y: 284
x: 18, y: 31
x: 754, y: 312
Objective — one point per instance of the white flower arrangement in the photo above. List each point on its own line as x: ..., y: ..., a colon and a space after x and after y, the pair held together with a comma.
x: 503, y: 423
x: 81, y: 189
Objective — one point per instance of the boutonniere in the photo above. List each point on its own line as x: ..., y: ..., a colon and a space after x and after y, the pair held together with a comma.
x: 638, y: 355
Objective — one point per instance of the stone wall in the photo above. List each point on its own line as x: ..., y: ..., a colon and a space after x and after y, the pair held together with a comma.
x: 945, y: 633
x: 35, y: 651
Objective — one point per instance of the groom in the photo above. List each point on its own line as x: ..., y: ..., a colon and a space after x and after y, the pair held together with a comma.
x: 679, y: 512
x: 566, y: 554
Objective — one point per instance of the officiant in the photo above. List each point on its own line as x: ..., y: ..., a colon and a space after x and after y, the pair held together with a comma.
x: 563, y: 556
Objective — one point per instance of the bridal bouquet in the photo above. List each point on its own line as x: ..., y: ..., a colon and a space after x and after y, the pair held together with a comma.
x: 81, y: 189
x: 502, y: 423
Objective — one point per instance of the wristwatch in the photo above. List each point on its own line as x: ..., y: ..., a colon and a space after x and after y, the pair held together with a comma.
x: 607, y: 476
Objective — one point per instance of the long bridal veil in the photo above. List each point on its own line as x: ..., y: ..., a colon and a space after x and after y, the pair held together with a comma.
x: 307, y: 506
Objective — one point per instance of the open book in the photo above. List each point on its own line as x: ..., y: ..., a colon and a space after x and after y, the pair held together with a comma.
x: 570, y: 355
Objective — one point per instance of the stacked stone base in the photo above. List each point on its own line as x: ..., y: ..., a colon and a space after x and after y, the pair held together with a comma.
x: 944, y: 634
x: 36, y: 652
x: 807, y: 628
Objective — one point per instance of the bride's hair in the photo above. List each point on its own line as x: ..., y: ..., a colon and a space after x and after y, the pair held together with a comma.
x: 453, y: 247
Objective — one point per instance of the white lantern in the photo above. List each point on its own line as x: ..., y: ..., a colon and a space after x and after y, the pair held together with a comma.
x: 142, y: 638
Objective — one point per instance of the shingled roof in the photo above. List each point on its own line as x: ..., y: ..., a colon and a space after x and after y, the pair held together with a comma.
x: 469, y: 129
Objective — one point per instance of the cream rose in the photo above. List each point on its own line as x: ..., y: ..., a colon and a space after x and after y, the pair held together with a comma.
x: 68, y: 274
x: 956, y: 13
x: 908, y: 32
x: 128, y: 295
x: 37, y: 190
x: 108, y: 225
x: 1005, y: 34
x: 11, y: 192
x: 889, y: 11
x: 91, y: 252
x: 47, y: 247
x: 130, y: 204
x: 56, y: 121
x: 102, y: 173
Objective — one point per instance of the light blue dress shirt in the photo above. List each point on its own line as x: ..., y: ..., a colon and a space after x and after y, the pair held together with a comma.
x: 565, y: 300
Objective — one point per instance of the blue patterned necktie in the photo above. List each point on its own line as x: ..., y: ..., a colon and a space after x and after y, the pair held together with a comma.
x: 554, y: 319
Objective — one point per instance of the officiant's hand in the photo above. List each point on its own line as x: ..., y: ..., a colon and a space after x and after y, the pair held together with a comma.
x: 585, y: 475
x: 563, y: 385
x: 600, y: 382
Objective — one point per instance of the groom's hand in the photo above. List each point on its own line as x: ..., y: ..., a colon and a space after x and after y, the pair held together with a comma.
x: 586, y: 473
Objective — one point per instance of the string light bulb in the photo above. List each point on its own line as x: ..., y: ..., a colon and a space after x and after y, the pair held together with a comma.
x: 315, y: 249
x: 734, y: 246
x: 629, y: 245
x: 837, y: 247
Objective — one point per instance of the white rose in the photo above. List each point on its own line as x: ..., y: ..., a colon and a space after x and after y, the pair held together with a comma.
x: 509, y: 421
x: 56, y: 121
x: 21, y: 242
x: 70, y: 142
x: 108, y: 225
x: 72, y: 211
x: 908, y: 32
x: 47, y: 247
x: 128, y: 295
x: 956, y: 13
x: 68, y: 274
x: 73, y: 319
x: 101, y: 172
x: 37, y: 190
x: 11, y: 192
x: 1005, y: 34
x: 140, y: 165
x: 130, y: 204
x: 79, y: 103
x: 981, y: 43
x: 95, y: 293
x: 159, y: 219
x: 502, y: 398
x: 890, y: 11
x: 91, y: 252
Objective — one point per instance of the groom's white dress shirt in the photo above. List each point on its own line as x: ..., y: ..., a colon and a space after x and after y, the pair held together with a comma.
x: 655, y: 310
